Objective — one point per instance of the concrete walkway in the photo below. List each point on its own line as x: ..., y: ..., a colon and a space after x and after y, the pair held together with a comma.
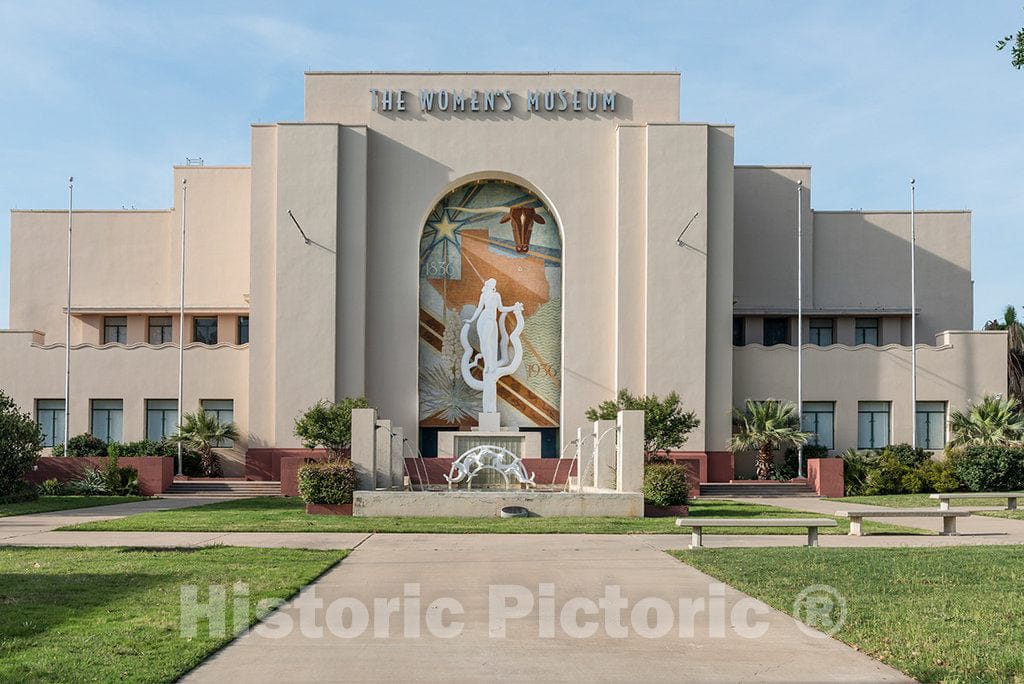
x: 467, y: 568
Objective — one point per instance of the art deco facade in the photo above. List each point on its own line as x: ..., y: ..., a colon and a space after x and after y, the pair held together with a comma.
x: 341, y: 261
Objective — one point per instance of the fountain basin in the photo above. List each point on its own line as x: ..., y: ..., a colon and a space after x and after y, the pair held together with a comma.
x: 488, y: 504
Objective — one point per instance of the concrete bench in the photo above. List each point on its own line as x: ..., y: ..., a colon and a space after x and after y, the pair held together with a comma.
x: 698, y: 525
x: 1011, y: 498
x: 948, y: 517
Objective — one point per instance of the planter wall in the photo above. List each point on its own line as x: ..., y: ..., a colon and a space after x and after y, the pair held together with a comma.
x: 825, y: 475
x: 329, y: 509
x: 156, y: 473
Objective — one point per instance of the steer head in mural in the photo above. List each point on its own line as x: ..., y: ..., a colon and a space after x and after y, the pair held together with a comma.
x: 522, y: 219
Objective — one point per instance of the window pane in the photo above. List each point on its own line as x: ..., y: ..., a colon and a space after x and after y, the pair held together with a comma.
x: 224, y: 410
x: 776, y: 331
x: 864, y: 430
x: 205, y: 330
x: 50, y: 416
x: 866, y: 331
x: 930, y: 424
x: 161, y: 418
x: 243, y: 330
x: 115, y: 329
x: 818, y: 418
x: 821, y: 331
x: 826, y: 430
x: 159, y: 329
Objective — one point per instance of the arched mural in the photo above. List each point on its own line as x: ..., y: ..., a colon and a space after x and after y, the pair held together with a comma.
x: 490, y: 229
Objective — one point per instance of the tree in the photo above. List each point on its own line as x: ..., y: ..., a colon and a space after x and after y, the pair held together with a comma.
x: 765, y: 426
x: 1014, y: 350
x: 1016, y: 45
x: 666, y: 424
x: 995, y: 421
x: 21, y: 443
x: 203, y: 431
x: 328, y: 425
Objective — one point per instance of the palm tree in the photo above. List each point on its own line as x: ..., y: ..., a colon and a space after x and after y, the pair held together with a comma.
x: 764, y: 427
x: 996, y: 420
x: 1014, y: 350
x: 203, y: 431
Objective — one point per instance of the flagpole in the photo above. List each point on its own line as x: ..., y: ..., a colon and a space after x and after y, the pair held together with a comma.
x: 800, y: 319
x: 67, y: 322
x: 181, y: 316
x: 913, y: 317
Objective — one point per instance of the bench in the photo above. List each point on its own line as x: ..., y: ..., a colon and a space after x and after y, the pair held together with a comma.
x: 948, y: 517
x: 697, y: 525
x: 1011, y: 498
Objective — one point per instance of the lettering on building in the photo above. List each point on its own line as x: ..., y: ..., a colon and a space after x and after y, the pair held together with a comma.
x: 576, y: 100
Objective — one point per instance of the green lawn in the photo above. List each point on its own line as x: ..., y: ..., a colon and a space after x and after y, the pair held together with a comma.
x: 923, y: 501
x: 277, y: 514
x: 937, y: 614
x: 103, y: 615
x: 46, y: 504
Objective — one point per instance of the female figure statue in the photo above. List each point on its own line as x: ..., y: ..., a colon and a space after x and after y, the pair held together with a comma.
x: 486, y: 317
x: 494, y: 338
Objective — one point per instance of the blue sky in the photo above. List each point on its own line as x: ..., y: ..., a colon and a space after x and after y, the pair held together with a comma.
x: 870, y: 93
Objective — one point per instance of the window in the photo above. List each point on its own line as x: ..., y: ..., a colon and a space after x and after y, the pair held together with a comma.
x: 739, y: 331
x: 224, y: 411
x: 865, y: 331
x: 872, y: 424
x: 205, y: 330
x: 243, y: 330
x: 160, y: 329
x: 822, y: 331
x: 161, y: 418
x: 50, y: 416
x: 931, y: 424
x: 819, y: 418
x: 107, y: 419
x: 115, y: 329
x: 776, y: 331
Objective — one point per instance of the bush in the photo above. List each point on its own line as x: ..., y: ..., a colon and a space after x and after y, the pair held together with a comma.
x: 327, y: 482
x: 856, y: 466
x: 989, y: 468
x: 82, y: 445
x: 21, y: 442
x: 122, y: 481
x: 51, y: 487
x: 91, y: 482
x: 143, y: 447
x: 940, y: 476
x: 666, y: 484
x: 328, y: 425
x: 666, y: 424
x: 23, y: 492
x: 906, y: 454
x: 886, y: 477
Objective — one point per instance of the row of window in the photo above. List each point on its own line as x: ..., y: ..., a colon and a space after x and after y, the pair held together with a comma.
x: 874, y: 424
x: 822, y: 331
x: 204, y: 329
x: 106, y: 418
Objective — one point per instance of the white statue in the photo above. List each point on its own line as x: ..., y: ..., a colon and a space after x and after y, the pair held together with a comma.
x: 487, y: 457
x: 495, y: 340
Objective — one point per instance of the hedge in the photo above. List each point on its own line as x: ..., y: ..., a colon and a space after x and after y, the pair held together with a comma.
x: 327, y: 482
x: 666, y: 484
x: 989, y: 468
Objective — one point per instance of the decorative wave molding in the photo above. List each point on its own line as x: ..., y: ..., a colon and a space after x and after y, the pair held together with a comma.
x: 841, y: 347
x: 141, y: 345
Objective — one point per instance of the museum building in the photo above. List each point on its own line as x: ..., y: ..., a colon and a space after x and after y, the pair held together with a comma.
x: 344, y: 259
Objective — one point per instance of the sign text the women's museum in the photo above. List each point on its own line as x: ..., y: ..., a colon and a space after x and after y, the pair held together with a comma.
x: 575, y: 100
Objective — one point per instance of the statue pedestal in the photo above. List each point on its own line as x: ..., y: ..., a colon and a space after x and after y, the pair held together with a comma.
x: 488, y: 422
x: 522, y: 444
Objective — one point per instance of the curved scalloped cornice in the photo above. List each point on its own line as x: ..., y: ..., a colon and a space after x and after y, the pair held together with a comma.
x: 141, y: 345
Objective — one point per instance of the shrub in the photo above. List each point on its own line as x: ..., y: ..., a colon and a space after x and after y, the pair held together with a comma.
x: 989, y: 468
x: 666, y: 484
x: 51, y: 487
x: 886, y: 477
x: 91, y: 482
x: 21, y: 442
x: 666, y: 424
x: 939, y: 475
x: 906, y: 454
x: 328, y: 425
x: 856, y: 466
x: 143, y: 447
x: 327, y: 482
x: 121, y: 481
x: 82, y: 445
x: 23, y: 492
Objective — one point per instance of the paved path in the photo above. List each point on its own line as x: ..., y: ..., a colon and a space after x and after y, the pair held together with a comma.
x: 466, y: 568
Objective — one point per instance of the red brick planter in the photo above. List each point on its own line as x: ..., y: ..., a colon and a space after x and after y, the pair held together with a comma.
x: 156, y: 473
x: 329, y: 509
x: 665, y: 511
